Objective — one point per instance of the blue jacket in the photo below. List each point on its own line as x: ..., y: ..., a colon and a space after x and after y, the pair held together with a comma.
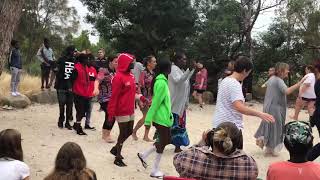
x: 16, y: 60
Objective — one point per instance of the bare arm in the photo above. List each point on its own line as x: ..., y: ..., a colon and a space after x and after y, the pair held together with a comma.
x: 27, y: 178
x: 240, y: 107
x: 294, y: 87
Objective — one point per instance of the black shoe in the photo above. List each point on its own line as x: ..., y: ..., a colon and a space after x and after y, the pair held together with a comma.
x: 113, y: 151
x: 60, y: 124
x: 67, y: 125
x: 119, y: 162
x: 77, y: 127
x: 88, y: 127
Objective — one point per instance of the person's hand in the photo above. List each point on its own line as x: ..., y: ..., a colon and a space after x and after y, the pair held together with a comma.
x: 95, y: 92
x: 266, y: 117
x: 302, y: 80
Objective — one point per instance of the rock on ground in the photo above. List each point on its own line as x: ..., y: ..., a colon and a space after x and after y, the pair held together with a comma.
x: 21, y: 101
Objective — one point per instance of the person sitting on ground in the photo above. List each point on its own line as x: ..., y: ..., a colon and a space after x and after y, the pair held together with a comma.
x: 71, y: 164
x: 12, y: 166
x: 217, y: 156
x: 298, y: 140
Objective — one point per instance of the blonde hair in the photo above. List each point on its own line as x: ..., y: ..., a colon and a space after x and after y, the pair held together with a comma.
x: 280, y: 68
x: 227, y: 138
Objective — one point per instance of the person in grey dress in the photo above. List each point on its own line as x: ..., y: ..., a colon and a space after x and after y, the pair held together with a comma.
x: 270, y: 135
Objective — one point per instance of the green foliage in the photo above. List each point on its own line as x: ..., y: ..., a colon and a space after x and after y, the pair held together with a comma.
x: 143, y: 27
x: 82, y: 42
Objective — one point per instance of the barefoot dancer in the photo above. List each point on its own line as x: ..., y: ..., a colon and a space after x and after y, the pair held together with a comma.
x: 105, y: 77
x: 121, y: 104
x: 145, y: 80
x: 306, y: 95
x: 275, y: 103
x: 160, y: 116
x: 179, y: 86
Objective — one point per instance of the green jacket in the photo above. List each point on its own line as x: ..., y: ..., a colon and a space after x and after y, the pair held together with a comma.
x: 160, y: 109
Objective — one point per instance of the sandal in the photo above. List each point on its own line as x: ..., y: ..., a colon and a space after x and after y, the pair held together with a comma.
x: 144, y: 164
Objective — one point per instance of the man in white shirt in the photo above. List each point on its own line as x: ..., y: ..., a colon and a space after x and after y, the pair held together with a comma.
x: 306, y: 96
x: 230, y: 105
x: 45, y: 55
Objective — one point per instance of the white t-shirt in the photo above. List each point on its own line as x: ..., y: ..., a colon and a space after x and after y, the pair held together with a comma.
x: 13, y: 169
x: 309, y: 93
x: 230, y: 90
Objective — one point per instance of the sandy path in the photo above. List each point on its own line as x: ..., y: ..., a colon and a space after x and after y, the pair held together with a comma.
x: 42, y: 140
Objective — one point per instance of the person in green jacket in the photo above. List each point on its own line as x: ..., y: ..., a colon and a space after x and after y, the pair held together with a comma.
x: 160, y: 116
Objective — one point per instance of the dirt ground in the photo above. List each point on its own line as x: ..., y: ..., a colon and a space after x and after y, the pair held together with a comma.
x: 42, y: 140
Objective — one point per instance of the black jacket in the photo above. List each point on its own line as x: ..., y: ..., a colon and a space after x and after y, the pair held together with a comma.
x: 15, y: 60
x: 65, y: 67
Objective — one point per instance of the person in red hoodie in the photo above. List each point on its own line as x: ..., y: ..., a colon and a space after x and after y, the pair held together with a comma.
x: 122, y: 103
x: 84, y: 88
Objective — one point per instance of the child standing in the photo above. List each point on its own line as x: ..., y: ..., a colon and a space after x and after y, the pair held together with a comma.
x: 160, y: 116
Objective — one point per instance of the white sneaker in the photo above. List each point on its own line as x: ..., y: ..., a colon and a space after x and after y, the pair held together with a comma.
x: 14, y: 94
x: 157, y: 174
x: 17, y: 93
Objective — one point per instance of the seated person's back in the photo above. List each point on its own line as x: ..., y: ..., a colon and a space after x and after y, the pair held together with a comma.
x: 225, y: 161
x: 298, y: 141
x: 12, y: 166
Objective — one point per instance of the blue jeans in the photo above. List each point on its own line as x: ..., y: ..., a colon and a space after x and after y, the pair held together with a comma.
x: 88, y: 113
x: 15, y: 78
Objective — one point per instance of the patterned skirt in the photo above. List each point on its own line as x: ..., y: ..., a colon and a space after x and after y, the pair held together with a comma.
x: 179, y: 135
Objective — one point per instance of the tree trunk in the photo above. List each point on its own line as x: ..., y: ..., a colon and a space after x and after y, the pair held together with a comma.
x: 10, y: 12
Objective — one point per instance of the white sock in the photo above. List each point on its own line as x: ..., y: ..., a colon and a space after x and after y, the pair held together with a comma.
x: 146, y: 153
x: 156, y: 163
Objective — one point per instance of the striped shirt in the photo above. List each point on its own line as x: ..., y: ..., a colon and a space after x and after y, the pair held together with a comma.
x: 230, y: 90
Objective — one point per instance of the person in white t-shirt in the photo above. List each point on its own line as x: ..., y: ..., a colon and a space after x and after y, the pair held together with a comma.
x: 306, y: 95
x: 230, y: 105
x: 12, y: 166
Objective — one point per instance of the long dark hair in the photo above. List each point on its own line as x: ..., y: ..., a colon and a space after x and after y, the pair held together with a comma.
x: 10, y: 144
x: 70, y: 164
x: 163, y: 67
x: 147, y: 59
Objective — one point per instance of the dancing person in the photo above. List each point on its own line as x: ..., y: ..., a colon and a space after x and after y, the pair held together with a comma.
x: 307, y: 94
x: 84, y: 88
x: 136, y: 71
x: 63, y: 85
x: 227, y: 72
x: 144, y: 86
x: 200, y: 85
x: 12, y: 166
x: 270, y: 135
x: 46, y: 56
x: 179, y: 85
x: 271, y: 73
x: 70, y: 164
x: 230, y: 100
x: 122, y: 102
x: 315, y: 118
x: 160, y: 116
x: 105, y: 76
x: 15, y: 64
x: 298, y: 140
x: 217, y: 156
x: 91, y: 102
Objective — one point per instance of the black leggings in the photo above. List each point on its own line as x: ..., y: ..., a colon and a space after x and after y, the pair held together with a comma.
x: 164, y: 137
x: 126, y: 129
x: 82, y: 105
x: 65, y: 99
x: 107, y: 124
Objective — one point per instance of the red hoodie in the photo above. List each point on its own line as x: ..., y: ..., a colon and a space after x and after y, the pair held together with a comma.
x: 123, y: 89
x: 84, y: 82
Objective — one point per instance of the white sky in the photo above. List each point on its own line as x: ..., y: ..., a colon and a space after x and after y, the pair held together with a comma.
x: 262, y: 24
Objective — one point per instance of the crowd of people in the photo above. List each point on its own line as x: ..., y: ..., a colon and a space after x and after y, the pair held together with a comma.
x: 161, y: 88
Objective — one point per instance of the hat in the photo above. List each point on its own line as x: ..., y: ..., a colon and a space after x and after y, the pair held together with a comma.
x: 298, y: 132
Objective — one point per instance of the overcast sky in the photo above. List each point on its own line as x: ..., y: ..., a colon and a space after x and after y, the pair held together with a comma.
x: 262, y: 24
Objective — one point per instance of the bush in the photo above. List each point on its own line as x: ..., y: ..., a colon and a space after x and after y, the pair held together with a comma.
x: 33, y: 68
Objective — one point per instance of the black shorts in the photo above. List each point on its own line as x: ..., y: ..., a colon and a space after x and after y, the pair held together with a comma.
x: 82, y: 105
x: 308, y: 99
x: 200, y: 91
